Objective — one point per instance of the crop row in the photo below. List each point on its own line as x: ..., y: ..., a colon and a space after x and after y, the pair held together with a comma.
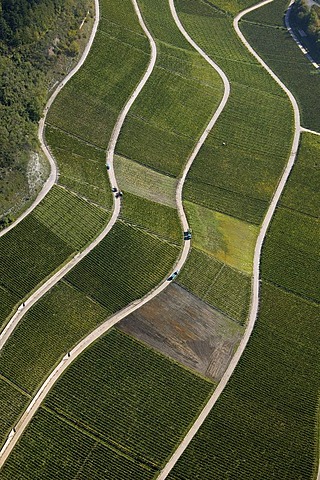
x: 123, y: 267
x: 238, y: 167
x: 293, y: 235
x: 303, y: 194
x: 47, y: 332
x: 67, y: 453
x: 81, y: 166
x: 143, y: 401
x: 72, y: 219
x: 274, y: 44
x: 219, y: 285
x: 12, y: 402
x: 7, y: 302
x: 143, y: 404
x: 263, y: 426
x: 176, y: 103
x: 119, y: 67
x: 156, y: 218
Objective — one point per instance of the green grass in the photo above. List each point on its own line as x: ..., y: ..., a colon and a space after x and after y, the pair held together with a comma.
x: 229, y: 239
x: 281, y: 53
x: 303, y: 193
x: 67, y: 453
x: 219, y: 285
x: 143, y: 402
x: 123, y: 267
x: 46, y: 333
x: 81, y: 167
x: 145, y: 182
x: 154, y: 217
x: 12, y: 402
x: 232, y: 6
x: 70, y: 218
x: 291, y: 253
x: 263, y: 425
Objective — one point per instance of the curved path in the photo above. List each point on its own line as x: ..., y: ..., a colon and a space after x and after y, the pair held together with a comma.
x: 296, y: 39
x: 256, y: 263
x: 26, y: 417
x: 52, y: 179
x: 23, y: 308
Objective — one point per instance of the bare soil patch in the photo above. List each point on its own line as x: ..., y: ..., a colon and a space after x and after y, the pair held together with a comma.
x: 180, y: 325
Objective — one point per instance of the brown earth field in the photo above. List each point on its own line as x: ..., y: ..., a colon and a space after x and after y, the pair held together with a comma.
x: 183, y: 327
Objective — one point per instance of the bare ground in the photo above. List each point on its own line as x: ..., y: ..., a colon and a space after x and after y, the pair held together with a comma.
x: 182, y: 326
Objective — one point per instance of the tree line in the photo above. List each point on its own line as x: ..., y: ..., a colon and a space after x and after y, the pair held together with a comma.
x: 307, y: 17
x: 28, y: 31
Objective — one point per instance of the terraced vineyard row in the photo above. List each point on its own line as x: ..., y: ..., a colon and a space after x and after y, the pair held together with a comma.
x: 264, y: 424
x: 143, y: 404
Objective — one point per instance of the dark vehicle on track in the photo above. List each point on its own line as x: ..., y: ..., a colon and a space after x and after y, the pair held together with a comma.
x: 113, y: 189
x: 173, y: 276
x: 187, y: 235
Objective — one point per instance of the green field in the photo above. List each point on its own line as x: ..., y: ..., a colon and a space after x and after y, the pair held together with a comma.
x: 119, y: 60
x: 177, y: 102
x: 238, y: 167
x: 62, y: 224
x: 219, y: 285
x: 81, y: 167
x: 145, y: 182
x: 154, y: 217
x: 69, y: 217
x: 291, y: 253
x: 279, y: 50
x: 60, y: 457
x: 143, y: 404
x: 123, y: 267
x: 46, y: 333
x: 12, y: 402
x: 263, y: 426
x: 303, y: 194
x: 228, y: 239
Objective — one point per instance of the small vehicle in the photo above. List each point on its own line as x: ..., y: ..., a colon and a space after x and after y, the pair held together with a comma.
x: 187, y: 235
x: 173, y: 276
x: 114, y: 189
x: 119, y: 194
x: 108, y: 166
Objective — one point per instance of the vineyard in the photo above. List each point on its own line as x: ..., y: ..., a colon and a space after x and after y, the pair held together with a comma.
x: 145, y: 182
x: 62, y: 224
x: 245, y: 153
x: 143, y: 405
x: 123, y: 267
x: 219, y: 285
x: 275, y: 44
x: 121, y: 408
x: 264, y: 424
x: 227, y: 238
x: 154, y: 217
x: 81, y: 167
x: 173, y: 109
x: 48, y: 331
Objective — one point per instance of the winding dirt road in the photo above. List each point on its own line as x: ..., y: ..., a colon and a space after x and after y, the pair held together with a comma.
x: 52, y: 179
x: 256, y: 263
x: 16, y: 433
